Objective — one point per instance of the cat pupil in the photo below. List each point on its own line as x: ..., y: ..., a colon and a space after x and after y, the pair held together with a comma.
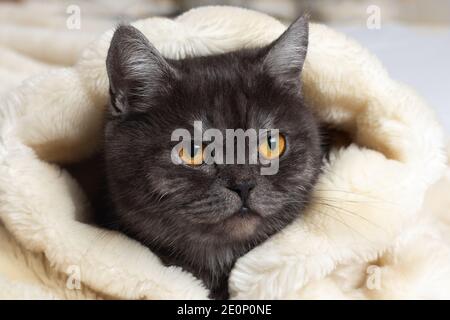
x: 194, y: 150
x: 272, y: 142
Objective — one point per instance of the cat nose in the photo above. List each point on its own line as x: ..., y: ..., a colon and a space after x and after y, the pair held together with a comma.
x: 242, y: 189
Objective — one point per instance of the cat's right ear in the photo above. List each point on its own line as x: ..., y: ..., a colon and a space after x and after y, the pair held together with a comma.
x: 286, y: 55
x: 136, y: 70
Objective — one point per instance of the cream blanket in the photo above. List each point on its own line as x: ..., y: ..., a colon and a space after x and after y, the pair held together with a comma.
x: 378, y: 226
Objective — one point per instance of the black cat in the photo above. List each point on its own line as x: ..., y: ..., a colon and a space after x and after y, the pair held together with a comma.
x: 200, y: 216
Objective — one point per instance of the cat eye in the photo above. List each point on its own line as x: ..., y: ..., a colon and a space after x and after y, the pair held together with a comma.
x: 192, y: 154
x: 272, y: 146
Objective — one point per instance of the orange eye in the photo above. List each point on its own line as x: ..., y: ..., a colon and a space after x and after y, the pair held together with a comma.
x: 272, y: 146
x: 192, y: 154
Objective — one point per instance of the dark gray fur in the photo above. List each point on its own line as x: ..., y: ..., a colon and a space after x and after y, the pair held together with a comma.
x: 190, y: 216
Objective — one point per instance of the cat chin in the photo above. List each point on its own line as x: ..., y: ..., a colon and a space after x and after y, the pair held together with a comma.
x: 241, y: 225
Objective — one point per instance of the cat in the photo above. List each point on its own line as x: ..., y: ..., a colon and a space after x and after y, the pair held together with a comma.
x: 203, y: 217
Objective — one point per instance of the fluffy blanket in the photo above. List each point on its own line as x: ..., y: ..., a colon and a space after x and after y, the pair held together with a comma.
x: 378, y: 226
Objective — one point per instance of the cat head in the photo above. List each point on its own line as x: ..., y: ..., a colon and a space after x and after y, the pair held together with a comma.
x: 151, y: 96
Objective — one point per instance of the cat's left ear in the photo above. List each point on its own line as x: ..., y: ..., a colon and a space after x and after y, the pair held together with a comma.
x: 137, y: 72
x: 286, y: 55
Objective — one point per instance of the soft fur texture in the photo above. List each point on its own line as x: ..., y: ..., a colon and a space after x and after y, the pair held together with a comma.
x: 204, y: 217
x: 374, y: 238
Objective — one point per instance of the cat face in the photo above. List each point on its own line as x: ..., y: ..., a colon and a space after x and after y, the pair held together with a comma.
x: 157, y: 200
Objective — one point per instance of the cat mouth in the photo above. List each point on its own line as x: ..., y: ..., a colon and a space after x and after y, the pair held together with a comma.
x: 245, y: 211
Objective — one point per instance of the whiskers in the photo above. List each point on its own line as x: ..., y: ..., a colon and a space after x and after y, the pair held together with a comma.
x: 343, y: 206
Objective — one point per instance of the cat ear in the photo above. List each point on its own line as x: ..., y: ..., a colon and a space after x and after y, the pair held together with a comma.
x: 135, y: 70
x: 286, y: 55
